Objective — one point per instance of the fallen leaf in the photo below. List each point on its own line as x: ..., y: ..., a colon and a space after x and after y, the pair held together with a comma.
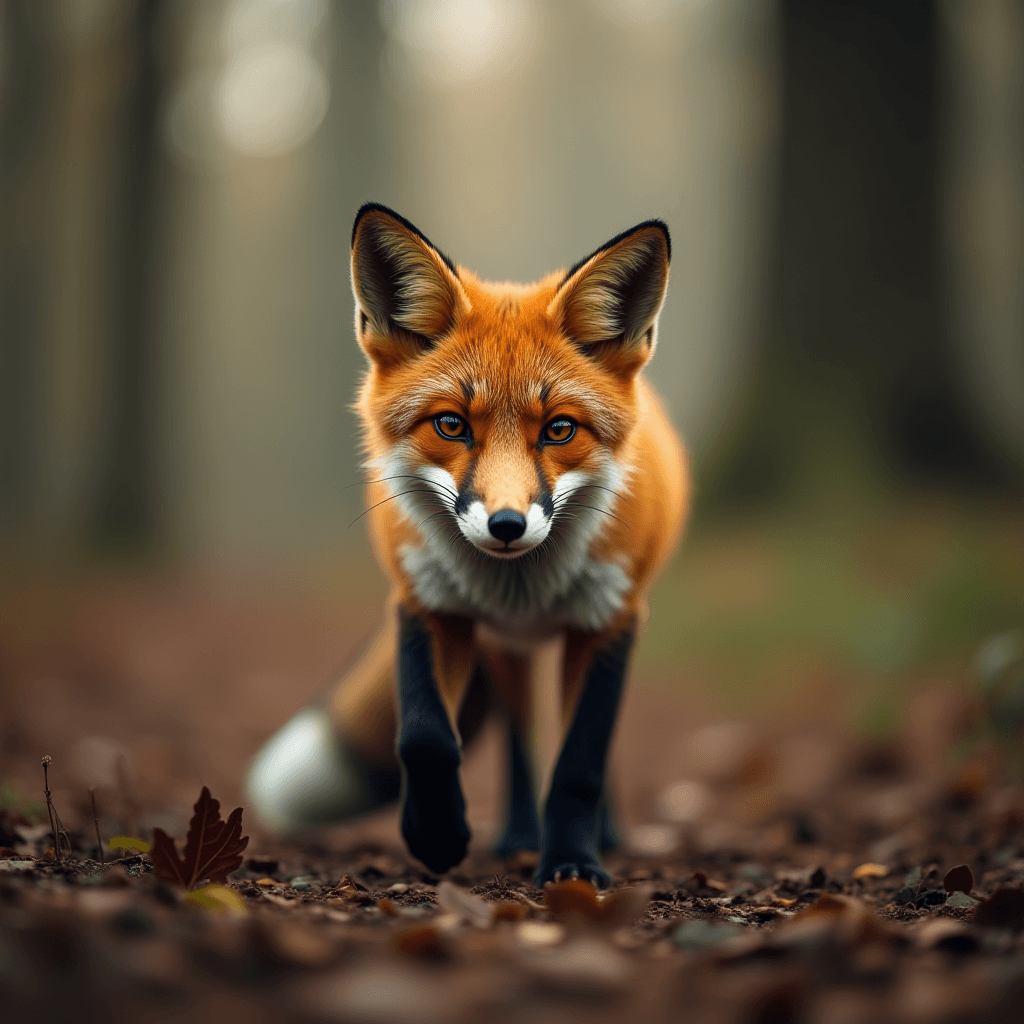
x: 509, y: 911
x: 701, y: 881
x: 817, y: 878
x: 852, y: 922
x: 348, y: 889
x: 213, y: 848
x: 217, y: 897
x: 577, y: 900
x: 961, y: 901
x: 574, y: 896
x: 870, y: 870
x: 454, y: 900
x: 423, y: 943
x: 959, y: 879
x: 129, y: 843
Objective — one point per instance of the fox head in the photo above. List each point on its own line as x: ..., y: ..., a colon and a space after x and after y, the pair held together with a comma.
x: 497, y: 412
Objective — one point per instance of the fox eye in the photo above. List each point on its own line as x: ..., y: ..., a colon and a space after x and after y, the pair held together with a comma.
x: 451, y: 427
x: 559, y: 431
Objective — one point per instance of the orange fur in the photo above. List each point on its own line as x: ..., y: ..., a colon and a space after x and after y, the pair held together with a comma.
x: 508, y: 359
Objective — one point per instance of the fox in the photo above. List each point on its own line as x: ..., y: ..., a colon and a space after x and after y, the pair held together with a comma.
x: 526, y: 486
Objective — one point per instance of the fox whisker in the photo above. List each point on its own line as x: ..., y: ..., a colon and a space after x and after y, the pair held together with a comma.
x: 412, y: 490
x: 593, y: 508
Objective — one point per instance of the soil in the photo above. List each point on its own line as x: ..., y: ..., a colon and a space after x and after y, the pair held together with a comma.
x: 770, y: 872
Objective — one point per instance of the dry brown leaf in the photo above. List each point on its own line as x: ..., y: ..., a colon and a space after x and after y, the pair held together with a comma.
x: 423, y: 943
x: 465, y: 905
x: 870, y: 870
x: 853, y: 923
x: 578, y: 899
x: 574, y: 896
x: 213, y: 848
x: 959, y: 879
x: 348, y: 882
x: 510, y: 911
x: 701, y: 880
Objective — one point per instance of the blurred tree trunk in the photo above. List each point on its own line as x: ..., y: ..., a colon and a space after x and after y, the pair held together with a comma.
x: 26, y: 102
x: 856, y: 382
x: 126, y: 498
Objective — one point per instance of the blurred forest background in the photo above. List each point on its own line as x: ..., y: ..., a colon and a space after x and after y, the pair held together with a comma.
x: 843, y: 343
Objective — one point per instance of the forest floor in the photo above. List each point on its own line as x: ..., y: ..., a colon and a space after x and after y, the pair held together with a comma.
x: 775, y: 867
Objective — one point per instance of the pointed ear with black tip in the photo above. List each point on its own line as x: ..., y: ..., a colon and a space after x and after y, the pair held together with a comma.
x: 608, y: 304
x: 408, y: 294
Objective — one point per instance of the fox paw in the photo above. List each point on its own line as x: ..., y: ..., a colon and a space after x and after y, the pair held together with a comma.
x: 560, y: 868
x: 439, y: 846
x: 434, y: 816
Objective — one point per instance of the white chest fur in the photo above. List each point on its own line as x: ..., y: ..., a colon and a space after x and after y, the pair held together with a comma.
x: 555, y: 585
x: 544, y: 590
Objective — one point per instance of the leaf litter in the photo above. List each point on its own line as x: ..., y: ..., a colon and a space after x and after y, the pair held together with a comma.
x: 916, y: 918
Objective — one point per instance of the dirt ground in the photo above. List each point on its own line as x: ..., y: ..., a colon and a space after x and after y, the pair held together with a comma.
x: 771, y: 871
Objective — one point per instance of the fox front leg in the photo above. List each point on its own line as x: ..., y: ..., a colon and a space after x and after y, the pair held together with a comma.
x: 435, y: 662
x: 570, y: 837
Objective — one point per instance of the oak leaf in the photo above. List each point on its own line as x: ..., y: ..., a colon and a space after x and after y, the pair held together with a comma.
x: 213, y: 848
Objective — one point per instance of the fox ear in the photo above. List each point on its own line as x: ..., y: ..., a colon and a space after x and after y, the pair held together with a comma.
x: 407, y: 293
x: 608, y: 304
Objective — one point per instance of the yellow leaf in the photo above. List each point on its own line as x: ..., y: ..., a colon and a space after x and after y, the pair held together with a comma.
x: 219, y: 898
x: 128, y: 843
x: 870, y: 871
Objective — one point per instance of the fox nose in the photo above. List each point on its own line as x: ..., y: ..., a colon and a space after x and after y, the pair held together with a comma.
x: 507, y: 525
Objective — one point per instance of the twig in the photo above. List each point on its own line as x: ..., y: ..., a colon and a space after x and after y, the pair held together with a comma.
x: 96, y: 822
x: 49, y: 807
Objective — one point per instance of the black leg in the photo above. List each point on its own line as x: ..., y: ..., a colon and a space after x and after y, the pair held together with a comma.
x: 569, y: 847
x: 523, y: 829
x: 433, y: 807
x: 608, y: 836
